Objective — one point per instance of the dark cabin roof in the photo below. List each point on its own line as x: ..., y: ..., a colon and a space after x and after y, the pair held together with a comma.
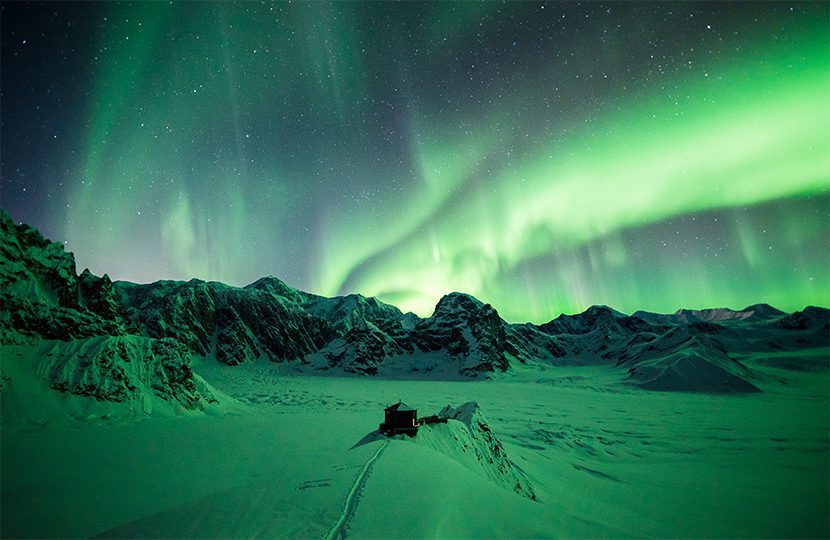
x: 400, y: 407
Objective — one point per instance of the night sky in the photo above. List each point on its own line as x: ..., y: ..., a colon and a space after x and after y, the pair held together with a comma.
x: 540, y: 156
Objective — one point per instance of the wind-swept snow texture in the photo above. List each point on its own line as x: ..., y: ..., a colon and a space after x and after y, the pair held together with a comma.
x: 467, y: 438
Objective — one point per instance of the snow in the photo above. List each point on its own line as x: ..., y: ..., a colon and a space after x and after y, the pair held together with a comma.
x: 603, y: 457
x: 467, y: 438
x: 102, y: 375
x: 197, y: 409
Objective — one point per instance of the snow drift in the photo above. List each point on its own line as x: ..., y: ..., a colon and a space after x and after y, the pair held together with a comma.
x: 467, y: 438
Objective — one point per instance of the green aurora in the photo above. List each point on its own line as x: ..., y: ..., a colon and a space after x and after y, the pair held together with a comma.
x: 541, y: 157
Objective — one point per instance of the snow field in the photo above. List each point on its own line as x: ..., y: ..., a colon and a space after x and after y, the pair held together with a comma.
x: 605, y: 460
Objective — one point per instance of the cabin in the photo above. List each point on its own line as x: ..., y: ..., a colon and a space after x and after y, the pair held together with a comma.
x: 400, y: 418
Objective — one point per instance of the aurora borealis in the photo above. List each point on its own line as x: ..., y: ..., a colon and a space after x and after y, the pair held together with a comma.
x: 540, y: 156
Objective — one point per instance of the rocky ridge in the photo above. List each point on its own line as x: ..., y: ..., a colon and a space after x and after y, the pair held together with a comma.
x: 162, y: 325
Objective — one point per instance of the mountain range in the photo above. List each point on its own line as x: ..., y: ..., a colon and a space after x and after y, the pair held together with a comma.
x: 121, y: 341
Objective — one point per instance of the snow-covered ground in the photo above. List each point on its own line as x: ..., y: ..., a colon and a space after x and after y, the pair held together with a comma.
x: 603, y: 459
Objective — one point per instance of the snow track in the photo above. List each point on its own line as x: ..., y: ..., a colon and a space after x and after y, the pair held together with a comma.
x: 338, y: 530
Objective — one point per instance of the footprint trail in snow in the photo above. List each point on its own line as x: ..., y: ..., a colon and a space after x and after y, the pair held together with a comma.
x: 338, y: 530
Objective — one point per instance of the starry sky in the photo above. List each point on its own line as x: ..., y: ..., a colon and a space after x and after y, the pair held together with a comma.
x: 543, y: 157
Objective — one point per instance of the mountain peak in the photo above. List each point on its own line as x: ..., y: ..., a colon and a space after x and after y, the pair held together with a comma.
x: 602, y: 309
x: 763, y: 311
x: 277, y: 287
x: 456, y: 302
x: 459, y: 298
x: 265, y: 282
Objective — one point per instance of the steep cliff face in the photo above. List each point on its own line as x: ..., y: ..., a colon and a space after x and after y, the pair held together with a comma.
x: 40, y: 292
x: 98, y: 296
x: 181, y: 310
x: 285, y: 332
x: 244, y: 323
x: 34, y: 268
x: 470, y: 331
x: 89, y: 349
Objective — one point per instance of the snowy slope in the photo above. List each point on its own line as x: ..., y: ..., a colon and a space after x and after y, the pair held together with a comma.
x: 468, y: 438
x: 682, y: 359
x: 100, y: 376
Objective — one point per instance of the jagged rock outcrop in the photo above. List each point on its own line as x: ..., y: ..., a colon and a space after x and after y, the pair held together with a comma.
x: 284, y: 331
x: 181, y: 310
x: 35, y: 319
x: 354, y: 311
x: 34, y: 268
x: 475, y: 340
x: 470, y: 331
x: 361, y: 350
x: 98, y: 295
x: 536, y: 344
x: 128, y: 368
x: 39, y: 290
x: 235, y: 343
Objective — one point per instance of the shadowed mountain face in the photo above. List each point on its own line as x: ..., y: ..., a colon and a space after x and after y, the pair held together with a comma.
x: 161, y: 325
